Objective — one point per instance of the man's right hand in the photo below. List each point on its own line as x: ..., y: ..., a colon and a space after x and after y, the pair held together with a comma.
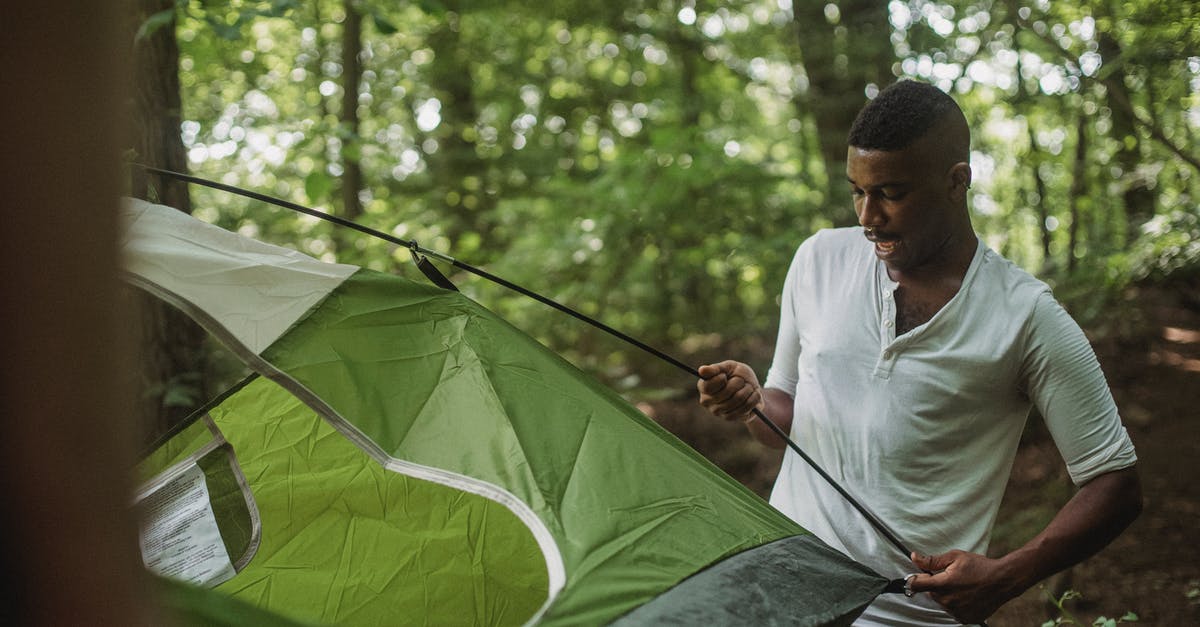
x: 730, y: 390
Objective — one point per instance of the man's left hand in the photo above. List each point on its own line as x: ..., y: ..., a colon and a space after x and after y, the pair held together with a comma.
x: 970, y: 586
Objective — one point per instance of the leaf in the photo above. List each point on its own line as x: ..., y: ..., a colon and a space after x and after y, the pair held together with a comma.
x: 280, y: 7
x: 432, y: 7
x: 383, y: 25
x: 180, y: 396
x: 223, y: 30
x: 1129, y: 617
x: 317, y: 185
x: 154, y: 22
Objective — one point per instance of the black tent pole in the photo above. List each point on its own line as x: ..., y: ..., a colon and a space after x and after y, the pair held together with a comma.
x: 412, y: 245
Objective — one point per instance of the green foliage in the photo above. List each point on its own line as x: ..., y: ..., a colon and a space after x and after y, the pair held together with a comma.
x: 317, y: 186
x: 1066, y: 617
x: 154, y: 23
x: 181, y: 390
x: 227, y: 19
x: 1169, y: 247
x: 656, y: 164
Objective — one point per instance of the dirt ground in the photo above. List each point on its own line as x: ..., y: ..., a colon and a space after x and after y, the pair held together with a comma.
x: 1153, y: 569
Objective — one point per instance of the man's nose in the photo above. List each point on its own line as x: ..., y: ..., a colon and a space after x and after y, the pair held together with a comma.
x: 869, y: 214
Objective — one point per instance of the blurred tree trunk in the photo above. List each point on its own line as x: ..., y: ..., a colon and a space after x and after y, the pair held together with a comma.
x: 318, y: 175
x: 68, y: 547
x: 350, y: 154
x: 1039, y: 190
x: 691, y: 103
x: 459, y: 175
x: 157, y: 108
x: 840, y: 59
x: 1021, y: 100
x: 1137, y: 196
x: 171, y: 355
x: 1078, y: 189
x: 351, y: 145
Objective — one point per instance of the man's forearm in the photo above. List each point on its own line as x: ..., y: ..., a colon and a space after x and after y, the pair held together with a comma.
x: 971, y: 586
x: 779, y: 407
x: 1097, y: 514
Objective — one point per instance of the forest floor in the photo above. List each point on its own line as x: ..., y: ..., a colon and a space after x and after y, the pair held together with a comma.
x: 1153, y: 569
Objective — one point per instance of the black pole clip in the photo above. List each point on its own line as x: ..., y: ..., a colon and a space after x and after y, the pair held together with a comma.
x: 427, y: 268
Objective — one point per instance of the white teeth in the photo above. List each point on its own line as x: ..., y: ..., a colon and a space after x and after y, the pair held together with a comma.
x: 886, y: 246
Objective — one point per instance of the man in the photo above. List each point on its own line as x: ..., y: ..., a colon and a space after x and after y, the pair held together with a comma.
x: 906, y: 365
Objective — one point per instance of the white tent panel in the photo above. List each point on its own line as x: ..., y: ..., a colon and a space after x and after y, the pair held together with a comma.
x: 254, y: 290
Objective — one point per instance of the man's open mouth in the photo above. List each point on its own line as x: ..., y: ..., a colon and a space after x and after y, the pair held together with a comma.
x: 884, y: 243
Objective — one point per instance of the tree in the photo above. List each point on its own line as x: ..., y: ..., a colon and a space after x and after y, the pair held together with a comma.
x: 171, y: 346
x: 847, y: 53
x: 644, y: 159
x: 69, y: 549
x: 351, y: 75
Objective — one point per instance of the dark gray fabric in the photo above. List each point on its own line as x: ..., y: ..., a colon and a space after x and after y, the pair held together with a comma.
x: 793, y: 581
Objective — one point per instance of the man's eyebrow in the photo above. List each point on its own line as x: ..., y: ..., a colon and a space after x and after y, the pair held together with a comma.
x: 880, y: 185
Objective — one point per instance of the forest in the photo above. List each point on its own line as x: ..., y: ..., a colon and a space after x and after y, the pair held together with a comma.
x: 655, y: 164
x: 644, y: 161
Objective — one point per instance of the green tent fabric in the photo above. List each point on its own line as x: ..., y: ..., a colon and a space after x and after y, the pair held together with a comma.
x: 407, y: 457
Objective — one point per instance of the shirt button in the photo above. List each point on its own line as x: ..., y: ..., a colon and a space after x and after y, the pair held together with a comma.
x: 887, y: 323
x: 887, y: 354
x: 887, y: 293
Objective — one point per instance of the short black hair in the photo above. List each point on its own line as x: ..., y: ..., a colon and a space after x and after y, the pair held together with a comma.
x: 900, y: 115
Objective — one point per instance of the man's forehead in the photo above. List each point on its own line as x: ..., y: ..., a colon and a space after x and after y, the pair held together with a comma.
x: 876, y: 167
x: 941, y: 145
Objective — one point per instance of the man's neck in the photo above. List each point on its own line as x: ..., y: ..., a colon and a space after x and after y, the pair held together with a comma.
x: 925, y: 292
x: 945, y: 271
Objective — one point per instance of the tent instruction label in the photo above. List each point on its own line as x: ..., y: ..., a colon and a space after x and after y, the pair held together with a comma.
x: 179, y: 536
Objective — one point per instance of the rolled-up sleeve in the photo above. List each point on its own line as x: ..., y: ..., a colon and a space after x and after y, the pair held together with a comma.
x: 1064, y: 380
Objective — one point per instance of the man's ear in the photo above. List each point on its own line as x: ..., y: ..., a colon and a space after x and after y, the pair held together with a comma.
x: 960, y: 180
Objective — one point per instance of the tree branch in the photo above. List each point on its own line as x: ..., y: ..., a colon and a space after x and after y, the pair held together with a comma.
x: 1153, y: 129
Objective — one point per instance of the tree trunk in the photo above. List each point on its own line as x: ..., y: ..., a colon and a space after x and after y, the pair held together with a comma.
x: 459, y: 175
x: 840, y: 61
x: 157, y: 109
x: 1078, y: 189
x: 351, y: 75
x: 1023, y: 97
x: 171, y: 353
x: 1138, y: 197
x: 68, y: 547
x: 691, y: 103
x: 1039, y: 186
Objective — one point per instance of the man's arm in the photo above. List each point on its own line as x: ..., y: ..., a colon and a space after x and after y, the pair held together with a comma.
x: 1061, y: 375
x: 730, y: 390
x: 972, y: 587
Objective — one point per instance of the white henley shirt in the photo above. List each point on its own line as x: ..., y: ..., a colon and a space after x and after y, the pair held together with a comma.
x: 922, y: 428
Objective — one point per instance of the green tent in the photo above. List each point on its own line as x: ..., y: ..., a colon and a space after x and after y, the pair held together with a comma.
x: 404, y: 456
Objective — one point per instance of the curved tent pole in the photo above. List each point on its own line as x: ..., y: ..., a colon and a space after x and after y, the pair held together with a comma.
x: 419, y: 250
